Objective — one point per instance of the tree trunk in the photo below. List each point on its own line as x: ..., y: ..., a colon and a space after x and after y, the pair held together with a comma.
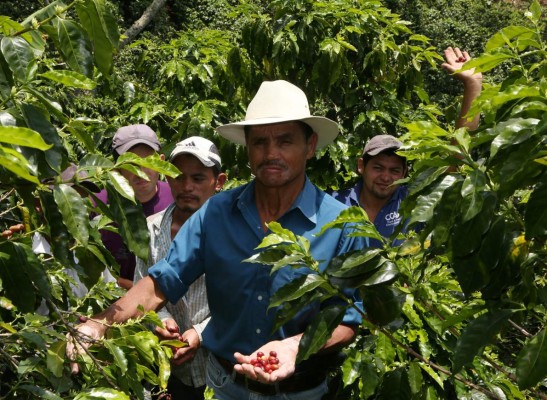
x: 146, y: 17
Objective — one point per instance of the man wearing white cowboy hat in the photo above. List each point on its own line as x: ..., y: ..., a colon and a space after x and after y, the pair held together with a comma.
x: 280, y: 135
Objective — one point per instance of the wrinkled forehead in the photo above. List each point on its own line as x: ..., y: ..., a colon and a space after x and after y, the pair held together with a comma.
x: 279, y: 129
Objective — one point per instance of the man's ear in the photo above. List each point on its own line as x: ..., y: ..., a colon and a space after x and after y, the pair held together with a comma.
x: 162, y: 157
x: 221, y: 180
x: 360, y: 166
x: 312, y: 145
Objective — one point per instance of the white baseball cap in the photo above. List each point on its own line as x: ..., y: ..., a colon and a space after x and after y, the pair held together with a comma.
x: 203, y: 149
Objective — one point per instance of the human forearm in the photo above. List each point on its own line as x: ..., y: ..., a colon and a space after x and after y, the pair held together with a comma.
x: 145, y: 293
x: 471, y: 90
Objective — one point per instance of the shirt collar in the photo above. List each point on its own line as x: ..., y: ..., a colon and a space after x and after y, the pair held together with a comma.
x: 305, y: 202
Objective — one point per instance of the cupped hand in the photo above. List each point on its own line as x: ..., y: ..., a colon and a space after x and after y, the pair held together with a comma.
x: 455, y: 59
x: 187, y: 353
x: 286, y: 354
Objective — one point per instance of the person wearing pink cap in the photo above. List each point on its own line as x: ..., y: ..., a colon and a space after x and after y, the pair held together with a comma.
x: 153, y: 194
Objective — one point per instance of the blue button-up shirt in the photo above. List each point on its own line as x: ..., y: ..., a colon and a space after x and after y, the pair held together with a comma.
x: 225, y: 231
x: 387, y: 219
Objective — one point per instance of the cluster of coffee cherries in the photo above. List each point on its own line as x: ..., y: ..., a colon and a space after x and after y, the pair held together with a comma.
x: 266, y: 363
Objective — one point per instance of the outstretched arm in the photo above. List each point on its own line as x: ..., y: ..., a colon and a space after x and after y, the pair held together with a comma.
x: 145, y: 293
x: 472, y: 84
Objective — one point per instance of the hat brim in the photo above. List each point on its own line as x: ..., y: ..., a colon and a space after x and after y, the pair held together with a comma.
x: 375, y: 152
x: 132, y: 143
x: 205, y: 161
x: 326, y: 129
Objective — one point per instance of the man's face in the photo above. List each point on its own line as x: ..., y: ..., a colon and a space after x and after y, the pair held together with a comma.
x: 195, y: 184
x: 278, y: 153
x: 379, y: 174
x: 144, y: 190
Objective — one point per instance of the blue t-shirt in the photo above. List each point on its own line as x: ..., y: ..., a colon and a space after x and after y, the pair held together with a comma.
x: 219, y: 236
x: 387, y: 219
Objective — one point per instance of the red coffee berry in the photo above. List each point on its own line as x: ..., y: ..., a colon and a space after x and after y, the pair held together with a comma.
x: 273, y: 353
x: 173, y: 329
x: 259, y: 354
x: 83, y: 319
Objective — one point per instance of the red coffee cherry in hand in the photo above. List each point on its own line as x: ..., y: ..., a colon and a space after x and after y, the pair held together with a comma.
x: 267, y: 364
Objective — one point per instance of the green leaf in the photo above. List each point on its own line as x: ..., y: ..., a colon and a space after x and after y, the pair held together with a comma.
x: 505, y: 36
x: 39, y: 120
x: 348, y: 215
x: 531, y: 366
x: 289, y: 309
x: 19, y: 56
x: 74, y: 45
x: 512, y: 132
x: 56, y: 358
x: 23, y: 137
x: 15, y: 282
x: 59, y: 238
x: 467, y: 236
x: 131, y: 223
x: 102, y: 30
x: 415, y: 378
x: 119, y: 356
x: 165, y: 368
x: 296, y: 288
x: 40, y: 392
x: 70, y: 78
x: 74, y: 212
x: 96, y: 161
x: 382, y: 304
x: 426, y: 203
x: 121, y: 185
x: 535, y: 216
x: 395, y: 386
x: 17, y: 164
x: 102, y: 393
x: 143, y: 343
x: 319, y: 331
x: 355, y: 263
x: 153, y: 162
x: 477, y: 334
x: 472, y: 188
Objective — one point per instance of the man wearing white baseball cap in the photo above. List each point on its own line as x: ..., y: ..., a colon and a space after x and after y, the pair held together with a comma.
x: 199, y: 163
x: 280, y: 135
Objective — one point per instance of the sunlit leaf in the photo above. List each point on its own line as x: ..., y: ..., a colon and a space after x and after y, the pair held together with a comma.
x: 23, y: 137
x: 56, y: 358
x: 74, y: 212
x: 70, y: 79
x: 19, y: 56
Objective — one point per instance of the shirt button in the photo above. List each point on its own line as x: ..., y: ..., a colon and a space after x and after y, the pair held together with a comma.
x: 259, y: 298
x: 258, y: 331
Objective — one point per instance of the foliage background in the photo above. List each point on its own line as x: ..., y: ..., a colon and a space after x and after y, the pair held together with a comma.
x: 64, y: 81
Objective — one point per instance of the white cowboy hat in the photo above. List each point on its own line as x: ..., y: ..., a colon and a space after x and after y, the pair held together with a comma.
x: 280, y: 101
